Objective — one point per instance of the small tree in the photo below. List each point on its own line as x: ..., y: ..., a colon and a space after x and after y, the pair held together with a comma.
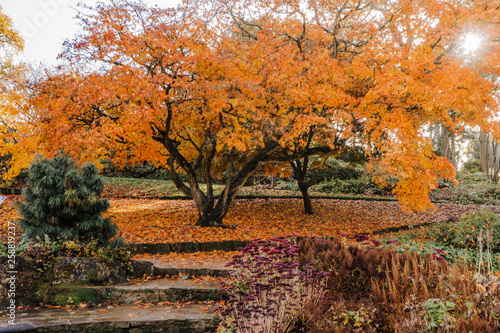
x: 63, y: 202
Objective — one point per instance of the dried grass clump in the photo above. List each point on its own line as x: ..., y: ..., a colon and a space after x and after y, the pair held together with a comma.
x: 392, y: 292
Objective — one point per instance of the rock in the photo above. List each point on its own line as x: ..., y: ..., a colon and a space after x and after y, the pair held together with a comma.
x: 443, y: 185
x: 142, y: 268
x: 94, y: 271
x: 20, y: 280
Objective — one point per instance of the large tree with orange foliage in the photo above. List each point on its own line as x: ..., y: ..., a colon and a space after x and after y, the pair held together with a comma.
x: 10, y: 97
x: 247, y: 83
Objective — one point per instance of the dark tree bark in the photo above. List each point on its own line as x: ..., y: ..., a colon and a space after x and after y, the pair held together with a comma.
x: 211, y: 212
x: 299, y: 171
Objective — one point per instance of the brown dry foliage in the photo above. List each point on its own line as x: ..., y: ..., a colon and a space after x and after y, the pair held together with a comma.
x: 390, y: 288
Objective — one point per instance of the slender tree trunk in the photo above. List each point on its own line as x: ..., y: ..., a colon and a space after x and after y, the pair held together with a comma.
x: 445, y: 147
x: 483, y: 142
x: 453, y: 151
x: 495, y: 165
x: 434, y: 133
x: 273, y: 181
x: 492, y: 165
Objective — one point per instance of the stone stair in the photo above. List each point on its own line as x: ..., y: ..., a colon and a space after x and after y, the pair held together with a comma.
x: 162, y: 290
x: 184, y: 297
x: 159, y: 318
x: 156, y: 267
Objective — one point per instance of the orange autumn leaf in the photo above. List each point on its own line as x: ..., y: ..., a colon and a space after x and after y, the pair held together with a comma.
x: 171, y: 221
x: 265, y: 83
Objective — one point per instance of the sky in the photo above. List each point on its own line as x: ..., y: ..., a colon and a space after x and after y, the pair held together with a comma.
x: 45, y: 24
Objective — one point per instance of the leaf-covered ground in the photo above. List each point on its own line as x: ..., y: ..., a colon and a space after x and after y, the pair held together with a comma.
x: 170, y: 221
x: 213, y: 259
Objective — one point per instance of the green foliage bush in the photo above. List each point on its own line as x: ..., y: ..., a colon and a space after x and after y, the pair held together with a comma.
x: 472, y: 166
x: 474, y: 188
x: 466, y: 232
x: 337, y: 170
x: 474, y: 239
x: 64, y: 203
x: 287, y: 186
x: 464, y: 195
x: 350, y: 186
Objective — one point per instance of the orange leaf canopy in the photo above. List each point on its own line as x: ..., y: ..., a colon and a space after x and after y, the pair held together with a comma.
x: 215, y: 84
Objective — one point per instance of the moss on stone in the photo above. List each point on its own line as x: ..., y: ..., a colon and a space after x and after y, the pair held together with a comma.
x: 65, y: 294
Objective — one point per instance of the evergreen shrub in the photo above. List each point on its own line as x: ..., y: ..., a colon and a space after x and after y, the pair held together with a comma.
x: 63, y: 203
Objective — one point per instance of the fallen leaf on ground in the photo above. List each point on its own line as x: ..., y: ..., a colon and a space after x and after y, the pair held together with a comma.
x: 172, y: 221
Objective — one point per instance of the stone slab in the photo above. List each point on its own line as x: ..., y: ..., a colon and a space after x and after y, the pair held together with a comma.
x: 159, y: 267
x: 173, y: 271
x: 156, y: 291
x: 179, y: 319
x: 171, y: 284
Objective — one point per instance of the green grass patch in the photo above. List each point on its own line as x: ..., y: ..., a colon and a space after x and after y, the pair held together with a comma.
x: 474, y: 238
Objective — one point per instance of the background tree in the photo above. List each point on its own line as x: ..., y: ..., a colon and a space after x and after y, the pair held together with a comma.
x: 11, y: 93
x: 483, y: 151
x: 10, y: 44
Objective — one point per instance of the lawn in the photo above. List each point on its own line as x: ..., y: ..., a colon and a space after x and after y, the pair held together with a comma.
x: 473, y: 188
x: 119, y: 187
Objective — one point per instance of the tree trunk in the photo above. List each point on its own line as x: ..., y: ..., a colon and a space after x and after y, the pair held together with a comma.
x: 453, y: 154
x: 300, y: 171
x: 211, y: 213
x: 445, y: 147
x: 304, y: 188
x: 495, y: 165
x: 273, y: 181
x: 434, y: 133
x: 213, y: 218
x: 483, y: 142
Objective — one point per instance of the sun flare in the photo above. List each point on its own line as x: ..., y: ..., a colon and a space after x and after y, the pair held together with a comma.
x: 471, y: 42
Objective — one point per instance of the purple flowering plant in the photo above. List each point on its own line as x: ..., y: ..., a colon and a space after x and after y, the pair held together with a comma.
x: 268, y: 290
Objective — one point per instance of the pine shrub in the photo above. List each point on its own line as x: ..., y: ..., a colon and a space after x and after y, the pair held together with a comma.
x: 63, y: 203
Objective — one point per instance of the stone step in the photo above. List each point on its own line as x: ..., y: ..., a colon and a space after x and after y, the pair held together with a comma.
x: 155, y: 291
x: 170, y: 290
x: 192, y: 271
x: 186, y: 247
x: 160, y: 268
x: 159, y: 318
